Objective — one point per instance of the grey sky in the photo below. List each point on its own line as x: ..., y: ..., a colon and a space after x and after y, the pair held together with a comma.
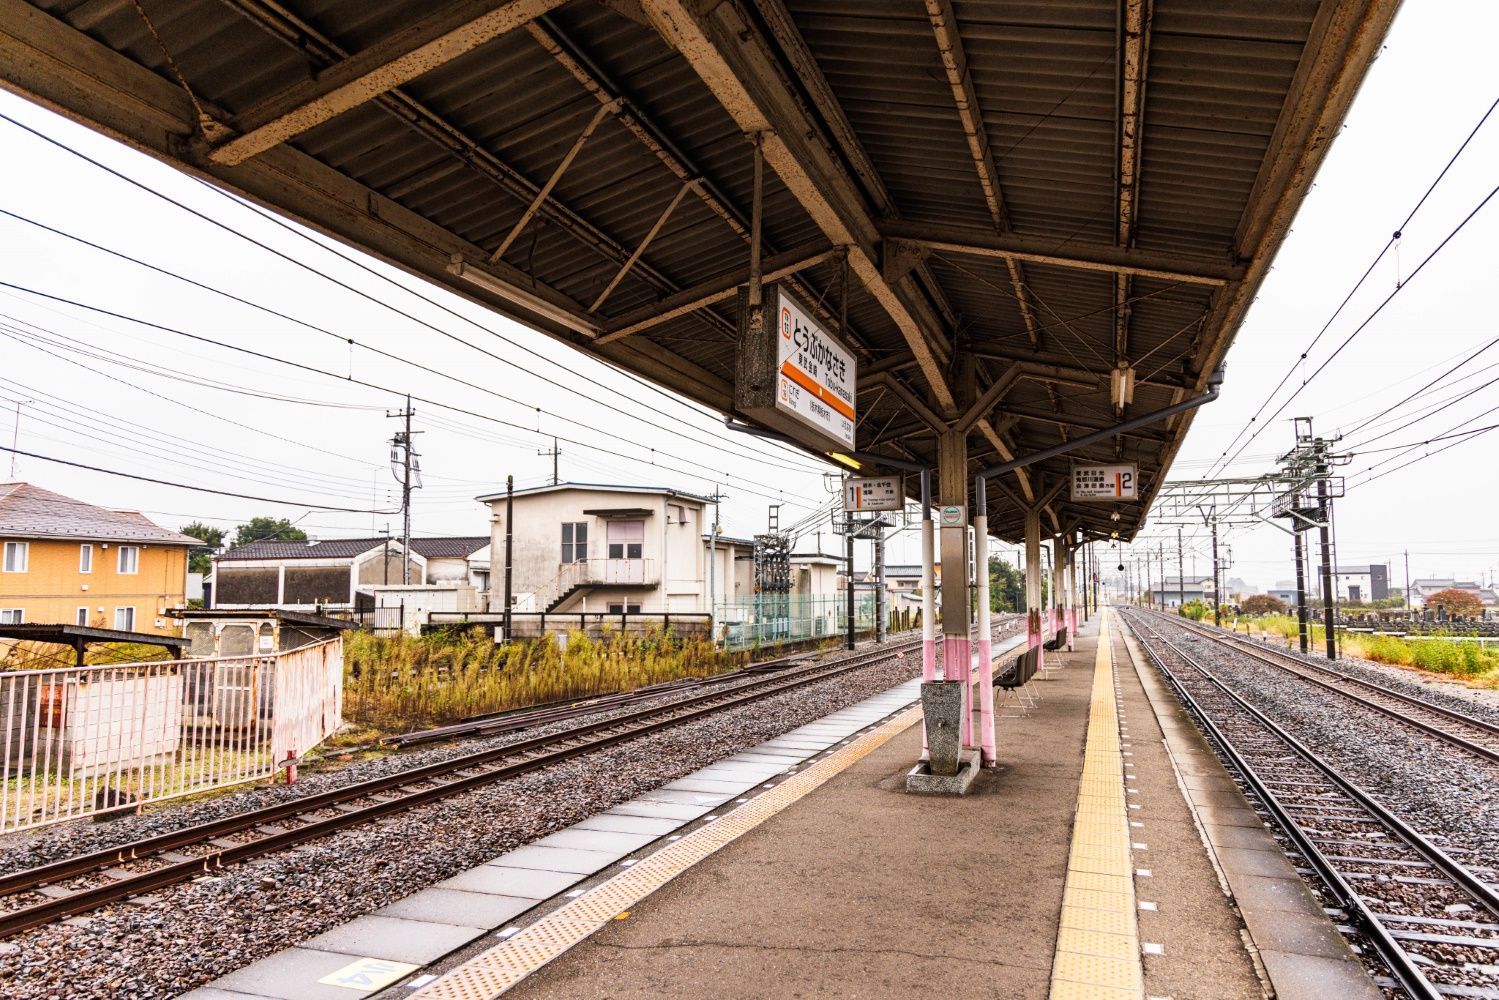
x: 1431, y: 84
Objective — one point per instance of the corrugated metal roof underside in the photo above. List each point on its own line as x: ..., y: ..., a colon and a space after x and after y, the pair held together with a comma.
x: 466, y: 144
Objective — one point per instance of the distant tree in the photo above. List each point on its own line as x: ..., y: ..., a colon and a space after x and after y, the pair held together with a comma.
x: 200, y: 560
x: 1264, y: 604
x: 1459, y: 603
x: 264, y: 529
x: 1005, y: 586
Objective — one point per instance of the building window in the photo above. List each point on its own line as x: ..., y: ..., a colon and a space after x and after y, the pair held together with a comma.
x: 82, y: 617
x: 85, y: 558
x: 624, y: 609
x: 129, y: 559
x: 574, y: 541
x: 12, y: 616
x: 15, y: 556
x: 125, y: 619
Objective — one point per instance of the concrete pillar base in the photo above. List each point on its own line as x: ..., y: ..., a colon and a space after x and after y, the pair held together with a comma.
x: 943, y: 708
x: 922, y: 781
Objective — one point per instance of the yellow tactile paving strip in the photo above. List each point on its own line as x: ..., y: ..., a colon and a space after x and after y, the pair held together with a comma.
x: 491, y: 973
x: 1098, y: 943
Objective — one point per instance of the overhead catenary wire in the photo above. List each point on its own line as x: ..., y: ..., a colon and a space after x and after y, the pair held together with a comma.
x: 188, y: 486
x: 324, y: 275
x: 201, y: 338
x: 1394, y: 238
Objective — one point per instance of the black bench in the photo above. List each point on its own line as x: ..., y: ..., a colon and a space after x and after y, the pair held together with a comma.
x: 1022, y: 670
x: 1057, y: 641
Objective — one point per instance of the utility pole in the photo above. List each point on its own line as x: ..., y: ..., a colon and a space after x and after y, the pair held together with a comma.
x: 509, y: 550
x: 1181, y: 579
x: 848, y: 579
x: 15, y: 434
x: 409, y: 477
x: 1217, y: 592
x: 879, y: 581
x: 555, y: 454
x: 1408, y: 610
x: 717, y: 497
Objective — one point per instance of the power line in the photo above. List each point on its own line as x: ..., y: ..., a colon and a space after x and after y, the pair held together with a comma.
x: 372, y: 385
x: 1347, y: 298
x: 327, y: 277
x: 186, y: 486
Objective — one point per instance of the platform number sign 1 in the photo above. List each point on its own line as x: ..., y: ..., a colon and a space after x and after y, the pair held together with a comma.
x: 1104, y: 482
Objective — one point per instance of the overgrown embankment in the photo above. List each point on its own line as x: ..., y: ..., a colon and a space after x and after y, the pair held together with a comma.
x: 1451, y: 654
x: 404, y: 682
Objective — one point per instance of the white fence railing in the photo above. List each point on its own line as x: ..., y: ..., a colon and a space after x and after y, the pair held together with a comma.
x: 84, y: 740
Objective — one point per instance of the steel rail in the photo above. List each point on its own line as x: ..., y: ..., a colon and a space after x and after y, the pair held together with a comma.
x: 1296, y: 667
x: 1400, y: 962
x: 543, y: 750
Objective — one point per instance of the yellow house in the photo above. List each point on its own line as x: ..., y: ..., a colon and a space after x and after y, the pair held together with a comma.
x: 65, y: 562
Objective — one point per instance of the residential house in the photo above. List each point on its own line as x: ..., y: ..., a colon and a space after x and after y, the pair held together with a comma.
x: 593, y: 547
x: 328, y: 574
x: 1356, y: 583
x: 609, y: 548
x: 1173, y: 592
x: 1423, y: 588
x: 67, y: 562
x: 1285, y: 591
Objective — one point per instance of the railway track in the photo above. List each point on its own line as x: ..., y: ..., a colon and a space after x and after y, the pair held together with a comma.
x: 1431, y: 921
x: 1476, y: 736
x: 78, y: 884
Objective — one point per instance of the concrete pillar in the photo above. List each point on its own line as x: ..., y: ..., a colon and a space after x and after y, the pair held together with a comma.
x: 952, y: 492
x: 981, y: 715
x: 1033, y: 622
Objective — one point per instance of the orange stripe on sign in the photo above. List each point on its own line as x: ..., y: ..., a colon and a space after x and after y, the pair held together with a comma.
x: 802, y: 379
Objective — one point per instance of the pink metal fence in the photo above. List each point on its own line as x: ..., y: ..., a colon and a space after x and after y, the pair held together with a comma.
x: 79, y: 741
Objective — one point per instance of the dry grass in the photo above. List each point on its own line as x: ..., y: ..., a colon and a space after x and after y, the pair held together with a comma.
x: 397, y: 683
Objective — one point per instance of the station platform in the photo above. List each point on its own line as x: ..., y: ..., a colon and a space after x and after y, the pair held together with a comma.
x: 1109, y: 856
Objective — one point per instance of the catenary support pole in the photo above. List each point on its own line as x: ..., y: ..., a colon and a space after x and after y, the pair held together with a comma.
x: 848, y: 579
x: 1217, y: 593
x: 1329, y: 596
x: 1302, y: 627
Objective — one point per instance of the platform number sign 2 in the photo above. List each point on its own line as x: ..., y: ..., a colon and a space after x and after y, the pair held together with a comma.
x: 1104, y: 482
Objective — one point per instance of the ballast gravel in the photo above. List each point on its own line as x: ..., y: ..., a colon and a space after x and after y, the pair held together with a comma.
x: 1446, y: 794
x: 187, y: 935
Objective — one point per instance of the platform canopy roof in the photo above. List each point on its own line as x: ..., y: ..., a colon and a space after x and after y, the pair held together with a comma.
x: 1022, y: 194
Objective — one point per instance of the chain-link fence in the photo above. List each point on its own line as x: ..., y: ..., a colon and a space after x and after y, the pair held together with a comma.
x: 768, y: 620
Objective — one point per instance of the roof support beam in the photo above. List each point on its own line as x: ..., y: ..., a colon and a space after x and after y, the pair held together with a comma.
x: 713, y: 290
x: 399, y: 58
x: 1141, y: 263
x: 1133, y: 62
x: 955, y: 64
x: 738, y: 66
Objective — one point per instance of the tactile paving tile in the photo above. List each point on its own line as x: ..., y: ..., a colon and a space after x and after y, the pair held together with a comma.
x: 1098, y: 945
x: 491, y: 973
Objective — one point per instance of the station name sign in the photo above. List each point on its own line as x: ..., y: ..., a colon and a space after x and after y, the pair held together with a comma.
x: 796, y: 377
x: 885, y: 493
x: 1104, y: 482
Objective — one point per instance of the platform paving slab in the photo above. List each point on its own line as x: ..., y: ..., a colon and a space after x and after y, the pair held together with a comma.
x: 394, y: 939
x: 653, y: 809
x: 523, y: 883
x: 609, y: 842
x: 454, y: 906
x: 296, y: 974
x: 630, y: 824
x: 561, y: 859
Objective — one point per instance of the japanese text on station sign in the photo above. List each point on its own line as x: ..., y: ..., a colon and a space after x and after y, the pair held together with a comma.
x: 816, y: 375
x: 885, y: 493
x: 1104, y: 482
